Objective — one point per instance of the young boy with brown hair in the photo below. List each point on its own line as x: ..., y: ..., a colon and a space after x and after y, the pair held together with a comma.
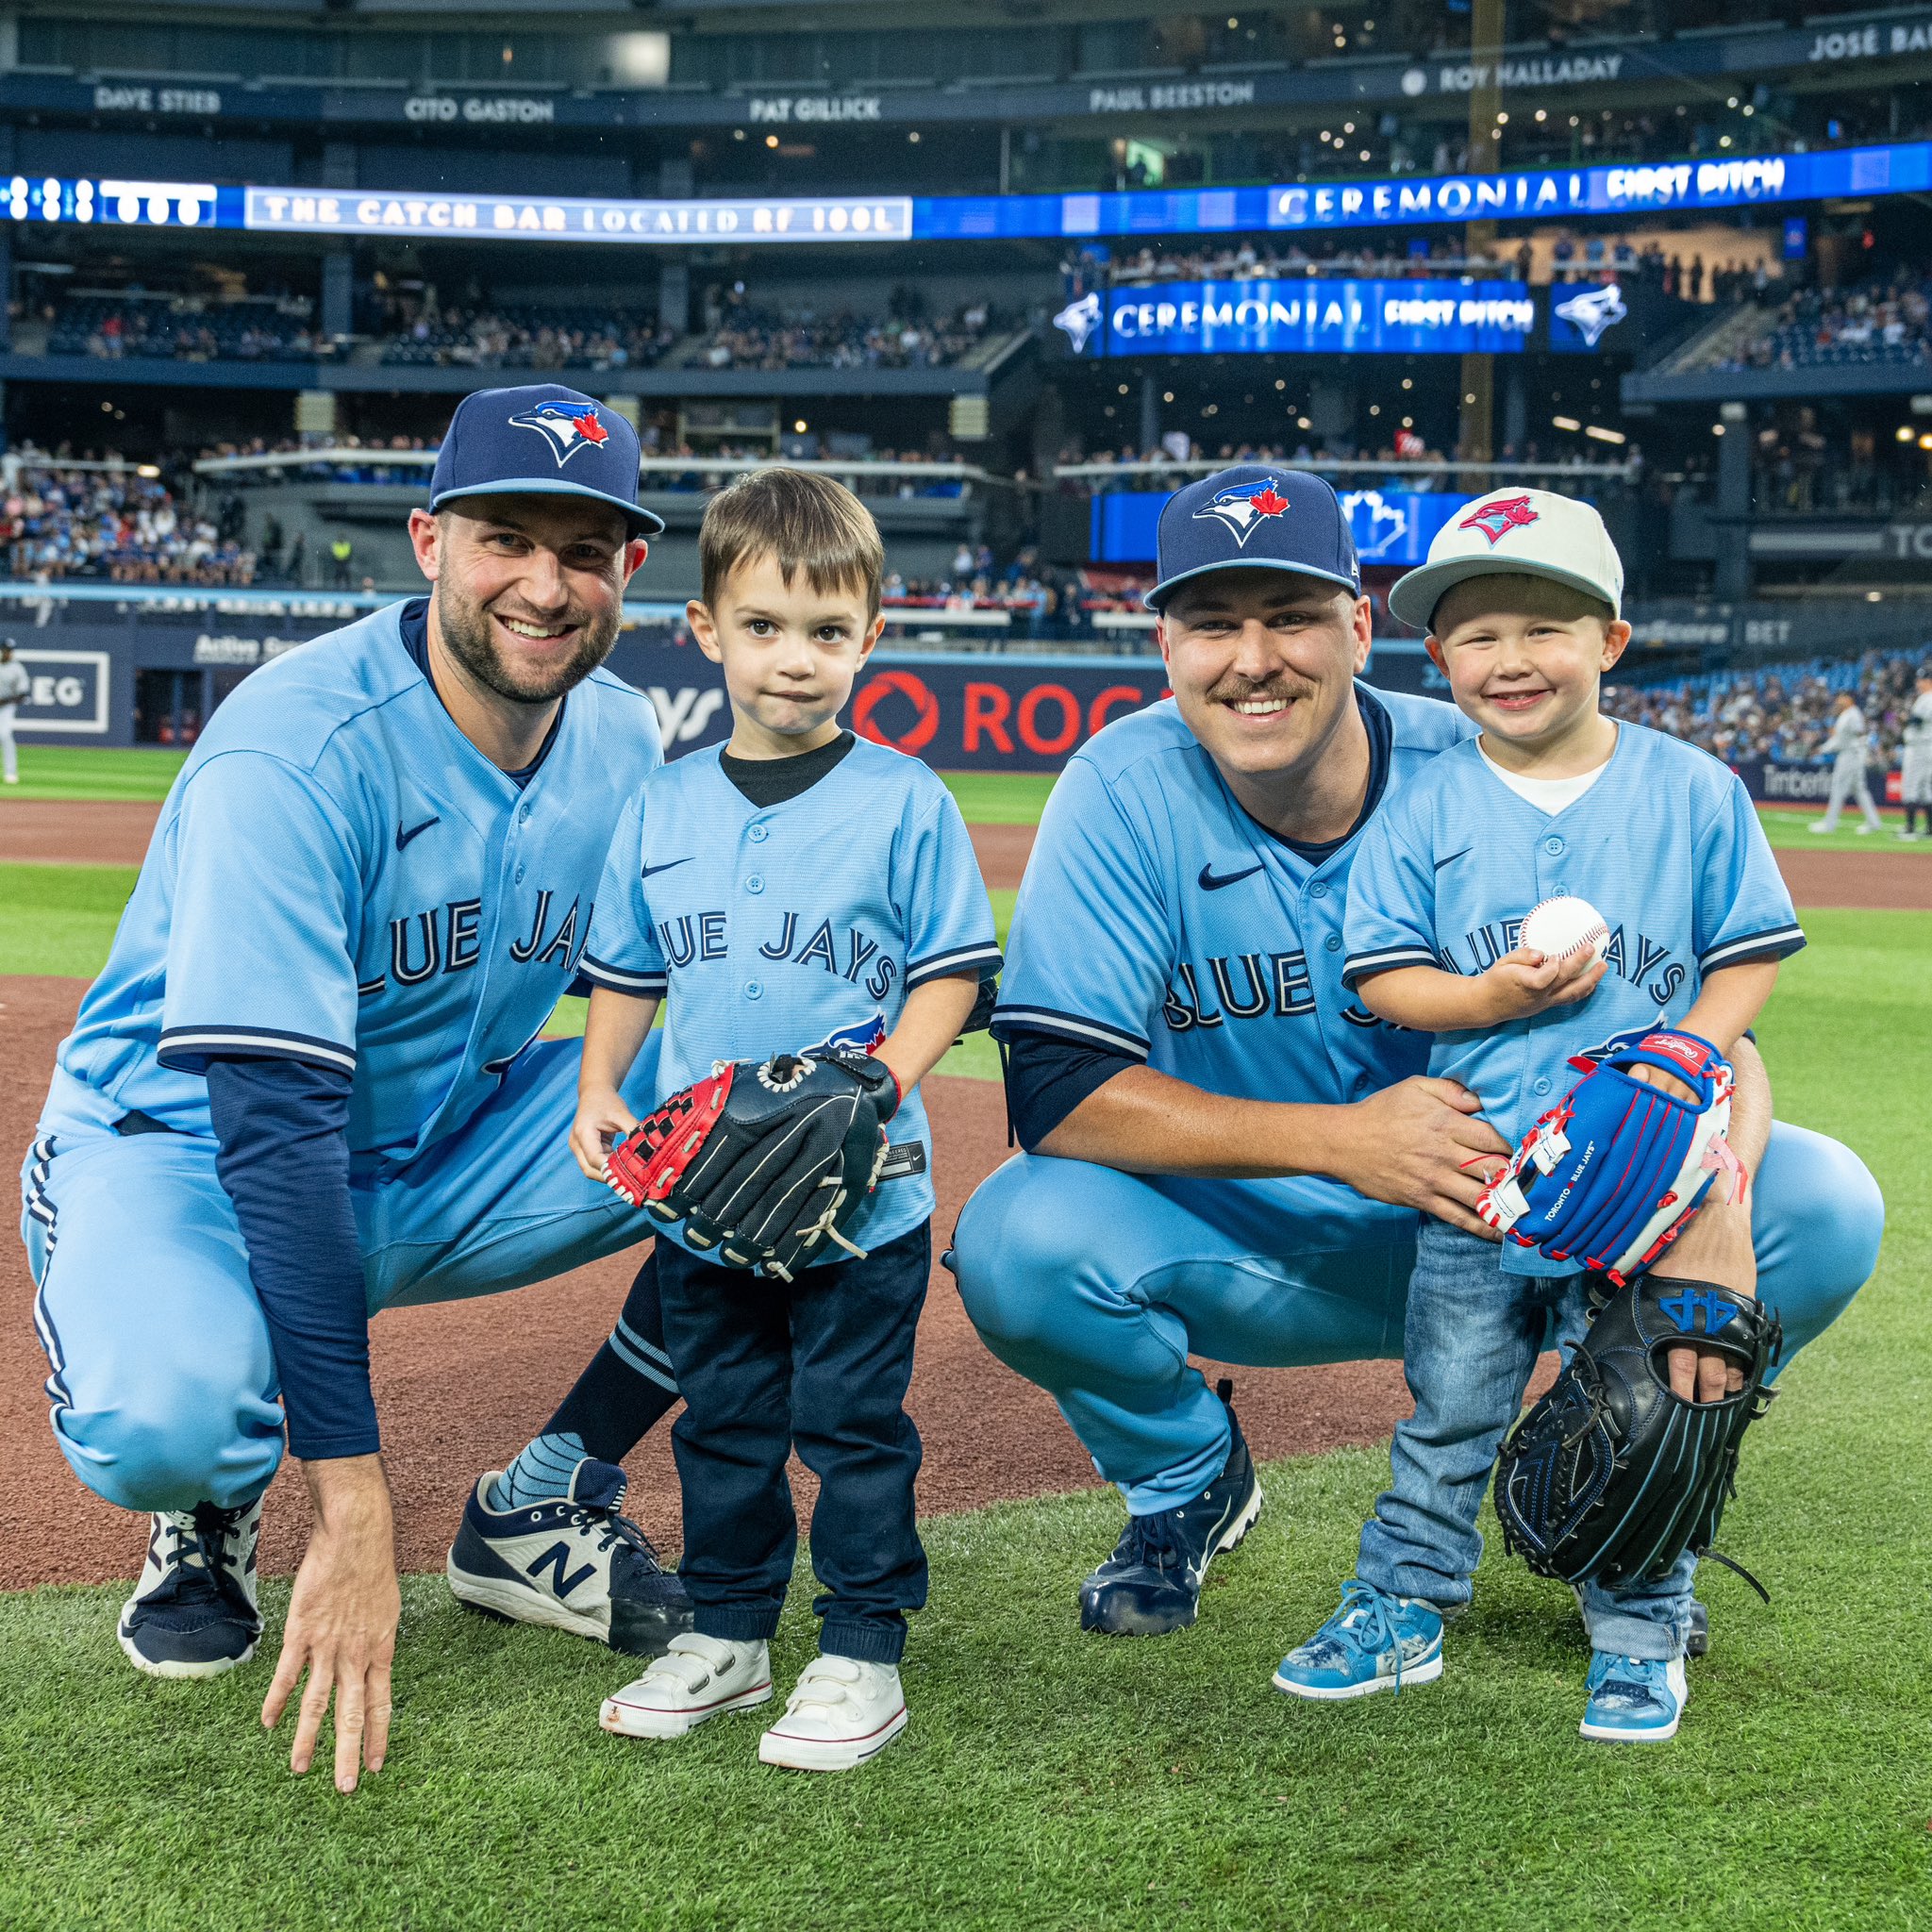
x: 798, y: 888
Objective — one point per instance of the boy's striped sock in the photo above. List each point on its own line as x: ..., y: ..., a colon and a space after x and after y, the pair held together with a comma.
x: 541, y: 1472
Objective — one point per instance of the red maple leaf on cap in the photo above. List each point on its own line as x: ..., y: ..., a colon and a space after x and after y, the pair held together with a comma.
x: 590, y: 428
x: 1267, y: 504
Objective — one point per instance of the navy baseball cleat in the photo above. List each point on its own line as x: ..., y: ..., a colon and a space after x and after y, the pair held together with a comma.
x: 573, y: 1562
x: 1151, y: 1585
x: 193, y: 1613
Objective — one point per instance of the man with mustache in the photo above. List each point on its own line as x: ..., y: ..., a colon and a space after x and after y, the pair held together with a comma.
x: 1225, y: 1152
x: 308, y: 1085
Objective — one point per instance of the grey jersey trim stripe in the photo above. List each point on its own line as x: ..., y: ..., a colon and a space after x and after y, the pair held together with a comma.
x: 257, y: 1043
x: 1777, y: 941
x: 1068, y: 1026
x: 618, y: 980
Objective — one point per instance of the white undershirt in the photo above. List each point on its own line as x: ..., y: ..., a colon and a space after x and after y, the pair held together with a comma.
x: 1549, y: 795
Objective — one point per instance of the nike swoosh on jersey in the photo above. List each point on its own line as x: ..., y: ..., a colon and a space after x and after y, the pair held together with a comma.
x: 666, y: 866
x: 405, y: 834
x: 1208, y: 883
x: 1454, y: 856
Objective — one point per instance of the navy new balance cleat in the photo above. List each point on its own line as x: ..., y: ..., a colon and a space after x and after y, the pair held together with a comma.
x: 193, y: 1613
x: 573, y: 1562
x: 1151, y: 1585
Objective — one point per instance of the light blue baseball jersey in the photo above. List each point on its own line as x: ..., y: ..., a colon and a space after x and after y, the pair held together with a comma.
x: 340, y: 876
x: 1666, y: 845
x: 1159, y: 921
x: 772, y: 928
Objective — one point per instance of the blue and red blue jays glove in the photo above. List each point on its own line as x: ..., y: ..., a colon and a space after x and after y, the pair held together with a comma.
x: 1611, y: 1174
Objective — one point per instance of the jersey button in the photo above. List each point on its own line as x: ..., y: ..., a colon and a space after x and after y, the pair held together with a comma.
x: 1554, y: 846
x: 754, y: 884
x: 752, y: 990
x: 760, y: 833
x: 1333, y: 943
x: 1318, y: 890
x: 1540, y: 1086
x: 520, y: 875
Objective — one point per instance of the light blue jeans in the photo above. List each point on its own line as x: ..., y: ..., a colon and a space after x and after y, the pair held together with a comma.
x: 1470, y: 1346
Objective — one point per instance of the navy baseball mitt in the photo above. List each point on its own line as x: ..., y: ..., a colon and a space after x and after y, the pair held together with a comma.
x: 766, y: 1162
x: 1612, y: 1476
x: 1612, y: 1173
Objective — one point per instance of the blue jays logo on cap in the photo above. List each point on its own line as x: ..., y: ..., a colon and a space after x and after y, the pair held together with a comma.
x: 566, y: 428
x: 1245, y: 507
x: 1496, y: 520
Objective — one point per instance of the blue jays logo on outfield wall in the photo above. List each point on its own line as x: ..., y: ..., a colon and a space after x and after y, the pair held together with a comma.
x: 564, y: 428
x: 1080, y: 322
x: 1583, y: 319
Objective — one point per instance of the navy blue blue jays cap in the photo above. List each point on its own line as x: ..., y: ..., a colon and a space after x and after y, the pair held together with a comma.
x: 1255, y: 516
x: 541, y: 441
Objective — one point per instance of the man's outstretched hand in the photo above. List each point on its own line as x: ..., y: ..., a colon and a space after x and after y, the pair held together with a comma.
x: 1422, y: 1143
x: 342, y: 1617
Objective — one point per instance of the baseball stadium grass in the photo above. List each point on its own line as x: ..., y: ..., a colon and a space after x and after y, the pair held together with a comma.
x: 1792, y: 829
x: 64, y: 772
x: 1053, y: 1781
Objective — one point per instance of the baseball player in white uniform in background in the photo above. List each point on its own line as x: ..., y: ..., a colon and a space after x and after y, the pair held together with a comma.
x: 1846, y: 742
x: 1915, y: 785
x: 14, y: 685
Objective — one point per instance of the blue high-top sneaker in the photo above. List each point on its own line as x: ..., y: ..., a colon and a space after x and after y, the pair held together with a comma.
x: 1633, y: 1700
x: 1374, y: 1642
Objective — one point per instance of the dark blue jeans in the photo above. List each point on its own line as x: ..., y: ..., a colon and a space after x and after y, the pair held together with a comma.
x: 821, y: 1365
x: 1472, y: 1337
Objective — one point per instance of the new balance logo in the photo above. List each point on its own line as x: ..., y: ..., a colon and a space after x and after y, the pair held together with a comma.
x: 554, y: 1560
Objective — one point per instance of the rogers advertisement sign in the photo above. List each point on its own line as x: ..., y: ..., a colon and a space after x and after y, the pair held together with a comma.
x: 966, y: 715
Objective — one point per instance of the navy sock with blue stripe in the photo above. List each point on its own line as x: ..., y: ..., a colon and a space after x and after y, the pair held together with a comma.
x: 626, y: 1387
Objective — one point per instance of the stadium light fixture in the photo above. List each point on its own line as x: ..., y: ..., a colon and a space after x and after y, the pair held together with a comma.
x: 1906, y: 433
x: 1304, y: 422
x: 1167, y: 395
x: 798, y: 425
x: 770, y: 140
x: 1569, y: 423
x: 914, y: 136
x: 1926, y: 441
x: 1875, y: 596
x: 1280, y: 384
x: 1604, y: 435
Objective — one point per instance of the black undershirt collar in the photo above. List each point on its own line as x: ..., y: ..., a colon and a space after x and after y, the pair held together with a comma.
x: 767, y: 782
x: 415, y: 627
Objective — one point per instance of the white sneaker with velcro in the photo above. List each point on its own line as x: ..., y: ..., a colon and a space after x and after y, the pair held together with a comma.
x: 698, y: 1677
x: 843, y: 1712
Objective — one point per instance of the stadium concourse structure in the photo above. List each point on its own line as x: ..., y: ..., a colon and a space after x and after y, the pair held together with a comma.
x: 1012, y: 283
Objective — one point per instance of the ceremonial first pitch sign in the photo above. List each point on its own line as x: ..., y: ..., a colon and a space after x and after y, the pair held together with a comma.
x: 1308, y: 315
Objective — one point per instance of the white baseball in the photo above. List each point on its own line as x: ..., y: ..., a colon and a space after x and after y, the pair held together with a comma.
x: 1559, y: 927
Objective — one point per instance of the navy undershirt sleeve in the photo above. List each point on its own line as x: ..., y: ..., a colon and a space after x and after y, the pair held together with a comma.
x: 1048, y: 1078
x: 283, y: 1159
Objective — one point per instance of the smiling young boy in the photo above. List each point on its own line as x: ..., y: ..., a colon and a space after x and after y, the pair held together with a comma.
x: 796, y: 888
x: 1521, y: 598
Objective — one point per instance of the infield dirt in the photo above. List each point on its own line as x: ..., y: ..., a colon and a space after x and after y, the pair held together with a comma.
x: 462, y: 1387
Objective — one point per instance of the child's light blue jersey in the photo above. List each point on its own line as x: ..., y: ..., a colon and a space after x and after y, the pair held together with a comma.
x: 774, y: 927
x: 1666, y: 845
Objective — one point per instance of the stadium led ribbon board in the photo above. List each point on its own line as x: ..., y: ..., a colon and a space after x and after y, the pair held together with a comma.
x: 1403, y: 200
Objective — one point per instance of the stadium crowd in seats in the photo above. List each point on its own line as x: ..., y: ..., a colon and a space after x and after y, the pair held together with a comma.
x: 1888, y: 322
x: 422, y: 334
x: 750, y: 336
x: 115, y: 523
x: 182, y: 328
x: 1781, y: 712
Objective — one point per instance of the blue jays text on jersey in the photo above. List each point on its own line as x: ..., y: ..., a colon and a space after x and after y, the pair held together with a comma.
x: 1159, y: 921
x: 771, y: 928
x: 1666, y: 845
x: 340, y: 876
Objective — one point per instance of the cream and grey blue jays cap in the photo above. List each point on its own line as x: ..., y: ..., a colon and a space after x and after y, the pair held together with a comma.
x: 1530, y: 533
x: 1255, y: 516
x: 541, y: 440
